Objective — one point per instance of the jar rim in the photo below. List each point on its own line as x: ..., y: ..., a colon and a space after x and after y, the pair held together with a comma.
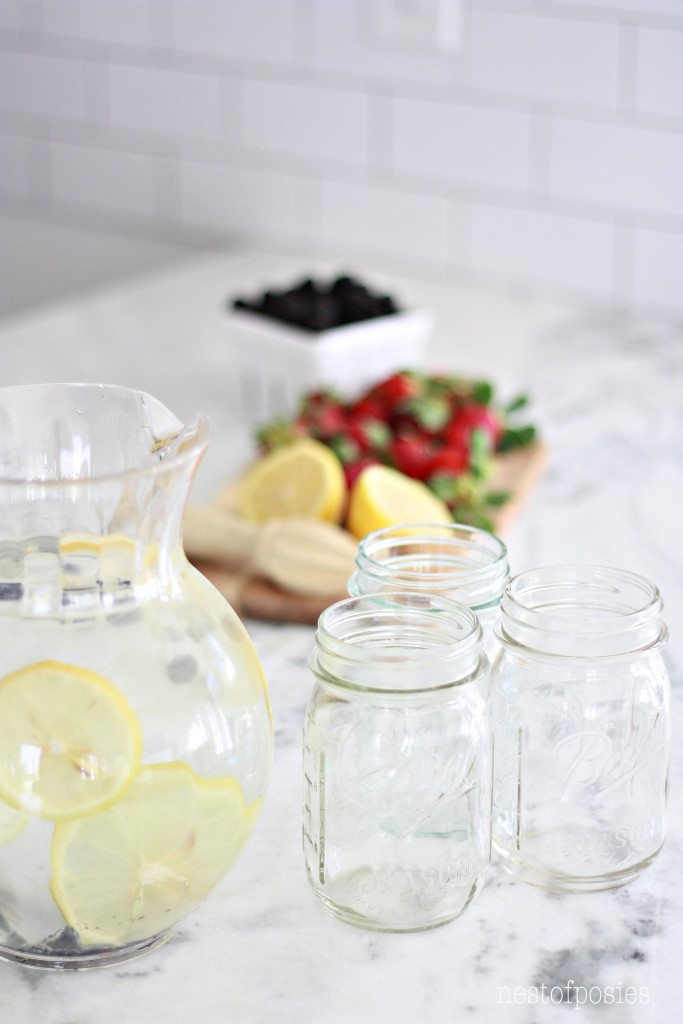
x: 398, y: 641
x: 429, y: 557
x: 581, y: 609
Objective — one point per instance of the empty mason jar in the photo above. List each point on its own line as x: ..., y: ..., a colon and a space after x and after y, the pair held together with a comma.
x: 397, y: 762
x: 580, y: 717
x: 461, y: 562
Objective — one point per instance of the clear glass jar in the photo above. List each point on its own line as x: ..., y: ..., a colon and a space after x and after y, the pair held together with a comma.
x: 397, y: 762
x: 580, y: 718
x: 460, y: 562
x: 135, y: 728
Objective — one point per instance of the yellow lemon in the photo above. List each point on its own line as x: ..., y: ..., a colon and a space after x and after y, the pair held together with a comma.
x: 383, y: 497
x: 110, y: 557
x: 69, y: 741
x: 303, y: 479
x: 137, y: 868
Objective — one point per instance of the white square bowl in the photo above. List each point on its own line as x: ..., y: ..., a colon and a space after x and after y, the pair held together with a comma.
x: 279, y: 363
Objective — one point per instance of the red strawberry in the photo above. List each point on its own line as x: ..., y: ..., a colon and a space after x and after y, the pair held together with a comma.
x: 428, y: 414
x: 475, y: 417
x: 395, y: 390
x: 367, y: 408
x: 370, y: 434
x: 323, y: 414
x: 452, y: 459
x: 412, y: 454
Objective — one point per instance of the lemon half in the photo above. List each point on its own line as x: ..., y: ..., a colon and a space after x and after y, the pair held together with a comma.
x: 383, y: 497
x: 140, y: 866
x: 303, y: 479
x: 69, y: 742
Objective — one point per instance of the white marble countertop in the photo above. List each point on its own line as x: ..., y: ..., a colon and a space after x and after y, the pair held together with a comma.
x: 609, y: 395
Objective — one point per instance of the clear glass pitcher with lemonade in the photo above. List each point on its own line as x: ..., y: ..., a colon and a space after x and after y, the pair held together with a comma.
x: 135, y: 725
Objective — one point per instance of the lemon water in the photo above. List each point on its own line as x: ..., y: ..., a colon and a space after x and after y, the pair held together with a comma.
x: 140, y: 768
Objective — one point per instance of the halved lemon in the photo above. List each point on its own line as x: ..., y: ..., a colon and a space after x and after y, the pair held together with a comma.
x: 69, y: 741
x: 383, y: 497
x: 302, y: 479
x: 137, y: 868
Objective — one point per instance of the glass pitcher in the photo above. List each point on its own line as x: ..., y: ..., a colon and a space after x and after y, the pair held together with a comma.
x: 135, y: 725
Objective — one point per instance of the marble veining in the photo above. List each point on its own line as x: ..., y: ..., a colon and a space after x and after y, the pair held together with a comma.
x: 608, y: 392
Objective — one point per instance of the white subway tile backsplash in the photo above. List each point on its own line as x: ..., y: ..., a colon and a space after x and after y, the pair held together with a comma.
x: 229, y: 200
x: 549, y: 58
x: 166, y: 102
x: 328, y: 125
x: 462, y: 144
x: 256, y: 30
x: 659, y: 83
x: 618, y: 167
x: 46, y: 86
x: 346, y: 40
x: 658, y: 268
x: 547, y: 151
x: 103, y: 179
x: 112, y: 21
x: 21, y: 15
x: 539, y: 249
x: 388, y: 221
x: 12, y: 165
x: 670, y: 8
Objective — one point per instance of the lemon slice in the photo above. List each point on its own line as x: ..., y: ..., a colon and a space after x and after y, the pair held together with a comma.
x: 136, y: 869
x: 69, y: 742
x: 383, y: 497
x: 12, y: 822
x: 303, y: 479
x: 111, y: 556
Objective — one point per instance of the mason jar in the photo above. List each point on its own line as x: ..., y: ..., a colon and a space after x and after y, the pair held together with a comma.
x: 580, y: 719
x: 453, y: 560
x: 397, y: 762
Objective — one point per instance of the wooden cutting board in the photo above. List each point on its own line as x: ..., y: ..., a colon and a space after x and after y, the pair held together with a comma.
x: 252, y: 597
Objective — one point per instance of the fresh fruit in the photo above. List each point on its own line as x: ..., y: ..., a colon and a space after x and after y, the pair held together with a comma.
x: 440, y: 429
x: 384, y: 497
x: 369, y: 433
x: 320, y: 306
x: 394, y: 391
x: 477, y: 417
x: 322, y: 414
x: 116, y: 554
x: 302, y: 479
x: 70, y: 744
x: 135, y: 869
x: 352, y: 470
x: 413, y: 454
x: 452, y: 459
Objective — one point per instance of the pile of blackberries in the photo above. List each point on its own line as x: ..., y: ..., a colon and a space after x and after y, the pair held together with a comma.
x: 318, y: 306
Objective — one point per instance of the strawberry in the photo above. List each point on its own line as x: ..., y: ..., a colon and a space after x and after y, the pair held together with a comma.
x: 412, y: 453
x: 393, y: 391
x: 453, y: 459
x: 428, y: 414
x: 370, y: 434
x: 366, y: 408
x: 457, y: 433
x: 323, y: 414
x: 476, y: 417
